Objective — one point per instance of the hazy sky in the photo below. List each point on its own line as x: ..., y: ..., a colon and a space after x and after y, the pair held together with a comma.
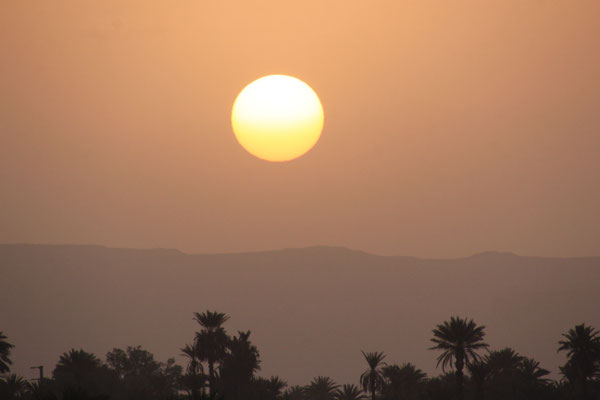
x: 450, y: 127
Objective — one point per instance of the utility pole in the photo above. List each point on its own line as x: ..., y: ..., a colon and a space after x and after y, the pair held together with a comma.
x: 41, y: 368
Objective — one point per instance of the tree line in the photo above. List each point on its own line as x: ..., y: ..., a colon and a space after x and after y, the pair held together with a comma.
x: 225, y: 367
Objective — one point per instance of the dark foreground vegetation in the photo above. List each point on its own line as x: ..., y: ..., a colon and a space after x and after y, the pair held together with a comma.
x: 221, y: 366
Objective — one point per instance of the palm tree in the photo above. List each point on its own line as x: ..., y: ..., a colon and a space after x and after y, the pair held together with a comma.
x: 76, y: 368
x: 13, y: 387
x: 276, y: 385
x: 402, y: 382
x: 321, y: 388
x: 211, y: 342
x: 350, y: 392
x: 531, y: 369
x: 532, y: 374
x: 582, y: 345
x: 372, y: 379
x: 239, y: 365
x: 505, y: 361
x: 194, y: 370
x: 5, y: 348
x: 295, y: 393
x: 210, y: 319
x: 459, y: 340
x: 504, y: 367
x: 480, y: 372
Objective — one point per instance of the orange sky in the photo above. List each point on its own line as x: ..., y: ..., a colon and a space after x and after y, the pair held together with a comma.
x: 450, y: 127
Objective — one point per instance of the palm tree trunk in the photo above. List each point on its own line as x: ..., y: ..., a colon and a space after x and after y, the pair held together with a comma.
x: 195, y: 388
x: 459, y: 385
x: 211, y: 378
x: 460, y: 395
x: 584, y: 394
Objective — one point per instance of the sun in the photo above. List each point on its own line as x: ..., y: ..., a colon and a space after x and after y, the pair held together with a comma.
x: 277, y: 118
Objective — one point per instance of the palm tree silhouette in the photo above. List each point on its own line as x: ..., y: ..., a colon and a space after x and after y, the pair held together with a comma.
x: 295, y: 392
x: 276, y: 385
x: 321, y: 388
x: 532, y: 376
x: 372, y: 379
x: 531, y: 371
x: 505, y: 361
x: 350, y: 392
x: 402, y: 382
x: 211, y: 342
x: 77, y: 368
x: 480, y: 372
x: 194, y: 370
x: 459, y: 340
x: 505, y: 366
x: 13, y: 386
x: 238, y: 366
x: 582, y: 345
x: 5, y: 348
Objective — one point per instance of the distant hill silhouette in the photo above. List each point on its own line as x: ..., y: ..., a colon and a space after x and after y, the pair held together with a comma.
x: 310, y: 310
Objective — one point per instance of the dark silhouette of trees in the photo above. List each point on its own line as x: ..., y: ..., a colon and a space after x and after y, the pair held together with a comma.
x: 321, y: 388
x: 295, y: 392
x: 141, y: 376
x: 5, y: 349
x: 350, y: 392
x: 134, y: 374
x: 80, y: 371
x: 532, y: 379
x: 13, y: 387
x: 240, y: 362
x: 194, y: 376
x: 372, y: 379
x: 480, y: 374
x: 504, y: 366
x: 441, y: 387
x: 211, y: 342
x: 266, y: 389
x: 505, y: 374
x: 459, y: 340
x: 403, y: 382
x: 582, y: 345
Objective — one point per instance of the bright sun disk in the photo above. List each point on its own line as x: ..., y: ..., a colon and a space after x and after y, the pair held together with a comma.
x: 277, y: 118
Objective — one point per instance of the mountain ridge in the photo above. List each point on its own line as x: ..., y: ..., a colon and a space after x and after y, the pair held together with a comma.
x: 481, y: 254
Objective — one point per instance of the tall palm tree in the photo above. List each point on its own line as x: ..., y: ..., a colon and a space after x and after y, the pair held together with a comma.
x: 5, y: 348
x: 459, y: 340
x: 238, y: 366
x: 321, y: 388
x: 582, y: 345
x: 211, y: 342
x: 350, y: 392
x: 372, y: 379
x: 211, y: 319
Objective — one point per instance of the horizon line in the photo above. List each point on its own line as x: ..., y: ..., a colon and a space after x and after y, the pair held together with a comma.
x: 276, y: 250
